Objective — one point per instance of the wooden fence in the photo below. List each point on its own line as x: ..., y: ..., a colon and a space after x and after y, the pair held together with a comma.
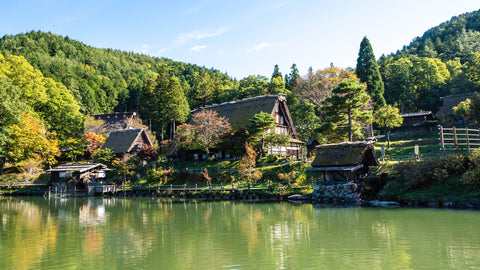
x: 459, y: 139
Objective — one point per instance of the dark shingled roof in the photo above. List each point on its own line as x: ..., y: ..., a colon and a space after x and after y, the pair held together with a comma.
x: 345, y: 154
x: 122, y: 141
x: 449, y: 102
x: 239, y: 112
x: 116, y: 121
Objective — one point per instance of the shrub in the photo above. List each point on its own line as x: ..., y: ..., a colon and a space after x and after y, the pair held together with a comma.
x: 271, y: 158
x: 472, y: 178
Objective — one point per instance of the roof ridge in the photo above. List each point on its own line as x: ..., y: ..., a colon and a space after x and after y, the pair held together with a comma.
x: 239, y: 101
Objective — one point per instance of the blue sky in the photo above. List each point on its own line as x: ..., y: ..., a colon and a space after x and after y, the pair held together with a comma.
x: 240, y: 37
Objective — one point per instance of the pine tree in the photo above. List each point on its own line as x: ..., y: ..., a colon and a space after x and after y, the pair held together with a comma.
x: 368, y: 72
x: 276, y: 73
x: 343, y: 110
x: 291, y: 79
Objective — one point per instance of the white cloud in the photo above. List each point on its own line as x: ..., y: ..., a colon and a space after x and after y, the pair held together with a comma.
x: 197, y: 35
x: 143, y: 49
x: 197, y: 48
x: 281, y: 4
x: 258, y: 47
x: 161, y: 51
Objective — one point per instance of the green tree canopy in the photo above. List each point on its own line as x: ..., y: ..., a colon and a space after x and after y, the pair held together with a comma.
x: 388, y: 117
x: 259, y: 125
x: 343, y: 114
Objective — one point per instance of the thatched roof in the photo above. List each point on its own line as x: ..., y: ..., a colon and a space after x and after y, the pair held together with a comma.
x: 347, y: 154
x: 79, y: 168
x: 449, y: 102
x: 123, y: 141
x: 239, y: 112
x: 116, y: 121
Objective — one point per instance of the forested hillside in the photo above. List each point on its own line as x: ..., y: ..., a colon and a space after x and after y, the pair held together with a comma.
x: 444, y: 61
x: 106, y: 80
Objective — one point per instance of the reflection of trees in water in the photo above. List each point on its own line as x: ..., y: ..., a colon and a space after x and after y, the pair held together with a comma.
x: 117, y: 233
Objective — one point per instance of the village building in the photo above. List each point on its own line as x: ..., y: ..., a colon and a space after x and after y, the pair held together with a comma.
x: 344, y: 162
x: 118, y: 121
x: 311, y: 146
x: 125, y: 143
x: 446, y: 111
x: 416, y: 118
x: 78, y: 175
x: 240, y: 112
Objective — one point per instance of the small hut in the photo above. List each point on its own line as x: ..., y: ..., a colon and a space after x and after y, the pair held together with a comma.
x: 344, y: 162
x: 78, y: 175
x: 312, y: 146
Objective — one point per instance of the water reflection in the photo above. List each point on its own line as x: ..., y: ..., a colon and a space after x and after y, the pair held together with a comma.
x: 118, y: 233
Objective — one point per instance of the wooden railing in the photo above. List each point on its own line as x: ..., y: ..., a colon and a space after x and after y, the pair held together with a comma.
x: 459, y: 139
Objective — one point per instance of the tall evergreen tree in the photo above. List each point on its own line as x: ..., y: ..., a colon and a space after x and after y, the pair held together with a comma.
x: 276, y: 73
x: 291, y: 79
x: 368, y: 72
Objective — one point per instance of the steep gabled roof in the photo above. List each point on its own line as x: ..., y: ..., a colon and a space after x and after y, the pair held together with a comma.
x: 116, y: 121
x: 122, y: 141
x: 346, y: 154
x: 240, y: 112
x: 449, y: 102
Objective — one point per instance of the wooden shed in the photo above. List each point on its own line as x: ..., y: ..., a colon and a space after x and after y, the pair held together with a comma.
x: 410, y: 119
x: 125, y: 143
x: 344, y: 162
x: 78, y: 175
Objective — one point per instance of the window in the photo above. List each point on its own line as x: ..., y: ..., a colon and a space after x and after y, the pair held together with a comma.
x: 64, y: 174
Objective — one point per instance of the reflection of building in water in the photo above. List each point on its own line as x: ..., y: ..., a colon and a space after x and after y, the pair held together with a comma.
x: 92, y: 214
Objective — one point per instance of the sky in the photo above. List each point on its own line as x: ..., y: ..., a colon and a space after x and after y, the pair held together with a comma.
x: 239, y: 37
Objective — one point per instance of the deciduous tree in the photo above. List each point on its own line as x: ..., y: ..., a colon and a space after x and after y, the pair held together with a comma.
x: 388, y: 117
x: 204, y: 130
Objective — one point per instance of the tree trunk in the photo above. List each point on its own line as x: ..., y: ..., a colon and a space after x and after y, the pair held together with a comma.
x: 350, y: 137
x: 388, y: 139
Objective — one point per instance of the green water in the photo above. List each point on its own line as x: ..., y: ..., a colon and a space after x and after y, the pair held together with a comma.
x: 152, y: 233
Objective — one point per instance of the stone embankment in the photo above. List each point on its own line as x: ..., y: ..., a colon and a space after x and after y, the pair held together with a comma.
x: 337, y: 193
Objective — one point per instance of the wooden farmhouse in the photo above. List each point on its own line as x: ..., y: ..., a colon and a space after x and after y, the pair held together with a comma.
x: 240, y: 112
x: 117, y: 121
x: 125, y: 143
x: 78, y: 175
x: 344, y: 162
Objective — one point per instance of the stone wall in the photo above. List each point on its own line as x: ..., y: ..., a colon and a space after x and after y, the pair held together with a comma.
x: 337, y: 192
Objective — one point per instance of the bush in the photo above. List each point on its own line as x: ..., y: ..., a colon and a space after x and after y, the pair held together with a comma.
x: 271, y: 158
x: 472, y: 178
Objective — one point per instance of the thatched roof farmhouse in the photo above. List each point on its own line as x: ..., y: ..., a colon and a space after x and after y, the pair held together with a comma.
x: 240, y: 112
x: 347, y: 161
x: 125, y: 143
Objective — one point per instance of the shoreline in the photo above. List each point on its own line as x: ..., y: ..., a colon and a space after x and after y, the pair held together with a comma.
x: 252, y: 197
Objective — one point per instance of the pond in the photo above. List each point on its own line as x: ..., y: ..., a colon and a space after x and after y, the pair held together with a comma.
x: 153, y: 233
